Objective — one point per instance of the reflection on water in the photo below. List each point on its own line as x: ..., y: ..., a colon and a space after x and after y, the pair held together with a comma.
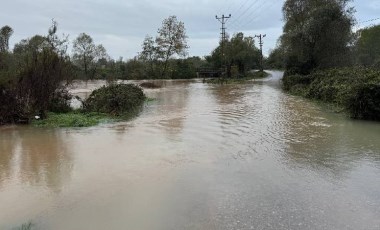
x: 198, y: 157
x: 34, y: 157
x: 33, y: 164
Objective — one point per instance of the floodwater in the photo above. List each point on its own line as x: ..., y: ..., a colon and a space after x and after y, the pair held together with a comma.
x: 200, y: 156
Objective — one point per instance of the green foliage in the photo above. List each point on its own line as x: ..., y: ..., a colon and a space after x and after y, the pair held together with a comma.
x: 248, y: 77
x: 240, y: 51
x: 368, y: 47
x: 317, y: 35
x: 276, y: 59
x: 116, y: 100
x: 60, y: 101
x: 171, y: 40
x: 88, y: 56
x: 357, y: 90
x: 177, y: 69
x: 258, y: 75
x: 31, y: 77
x: 182, y: 69
x: 71, y: 119
x: 136, y: 69
x: 5, y: 33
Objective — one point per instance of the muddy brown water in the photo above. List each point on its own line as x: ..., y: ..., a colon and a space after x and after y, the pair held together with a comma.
x: 200, y: 156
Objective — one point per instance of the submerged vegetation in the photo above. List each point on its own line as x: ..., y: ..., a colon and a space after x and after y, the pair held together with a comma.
x: 116, y: 100
x: 72, y: 119
x: 108, y: 103
x: 34, y: 75
x: 318, y: 39
x: 325, y: 60
x: 356, y: 90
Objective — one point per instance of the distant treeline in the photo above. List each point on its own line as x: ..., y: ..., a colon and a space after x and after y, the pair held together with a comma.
x: 35, y: 73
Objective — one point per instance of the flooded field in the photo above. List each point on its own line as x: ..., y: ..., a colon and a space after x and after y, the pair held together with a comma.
x: 199, y: 156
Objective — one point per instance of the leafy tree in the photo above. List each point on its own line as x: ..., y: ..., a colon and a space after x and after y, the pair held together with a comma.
x: 317, y: 34
x: 5, y: 57
x: 135, y: 69
x: 368, y: 46
x: 150, y: 54
x: 5, y: 33
x: 171, y: 39
x: 35, y: 78
x: 240, y: 51
x: 83, y: 49
x: 185, y: 68
x: 276, y: 58
x: 87, y: 54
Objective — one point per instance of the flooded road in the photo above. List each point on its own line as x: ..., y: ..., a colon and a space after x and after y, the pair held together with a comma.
x: 200, y: 156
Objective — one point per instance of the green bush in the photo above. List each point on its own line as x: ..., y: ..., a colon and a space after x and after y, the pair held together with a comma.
x: 60, y: 101
x: 297, y: 83
x: 364, y: 103
x: 357, y: 90
x: 116, y: 100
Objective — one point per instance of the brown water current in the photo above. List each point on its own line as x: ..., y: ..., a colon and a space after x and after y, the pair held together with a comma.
x: 200, y: 156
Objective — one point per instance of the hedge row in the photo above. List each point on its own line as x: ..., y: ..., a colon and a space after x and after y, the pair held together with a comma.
x: 355, y: 89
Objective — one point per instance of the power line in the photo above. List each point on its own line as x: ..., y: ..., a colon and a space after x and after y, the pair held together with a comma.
x: 371, y: 20
x: 255, y: 16
x: 360, y: 25
x: 241, y: 6
x: 220, y: 8
x: 234, y: 23
x: 245, y: 11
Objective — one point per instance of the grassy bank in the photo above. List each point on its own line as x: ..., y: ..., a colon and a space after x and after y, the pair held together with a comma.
x: 354, y: 90
x: 72, y: 119
x: 106, y: 104
x: 238, y: 80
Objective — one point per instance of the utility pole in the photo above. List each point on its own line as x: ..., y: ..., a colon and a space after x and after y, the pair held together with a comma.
x: 223, y: 20
x: 261, y: 43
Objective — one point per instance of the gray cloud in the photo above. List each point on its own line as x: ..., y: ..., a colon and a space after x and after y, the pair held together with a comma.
x: 121, y: 25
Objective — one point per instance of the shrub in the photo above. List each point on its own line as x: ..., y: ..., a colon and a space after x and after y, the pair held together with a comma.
x: 290, y: 81
x: 115, y: 99
x: 355, y: 89
x: 364, y: 103
x: 60, y: 101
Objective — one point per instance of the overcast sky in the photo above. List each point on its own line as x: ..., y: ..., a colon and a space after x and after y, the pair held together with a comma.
x: 121, y: 25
